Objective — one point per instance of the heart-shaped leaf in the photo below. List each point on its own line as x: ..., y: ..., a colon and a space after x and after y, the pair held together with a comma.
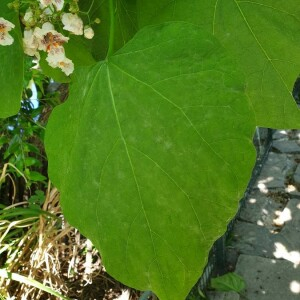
x: 153, y: 154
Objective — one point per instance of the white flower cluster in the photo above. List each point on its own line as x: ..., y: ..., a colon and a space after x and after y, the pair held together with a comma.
x: 5, y: 38
x: 40, y: 33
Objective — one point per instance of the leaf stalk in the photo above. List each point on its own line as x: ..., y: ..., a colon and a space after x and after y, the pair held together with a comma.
x: 112, y: 28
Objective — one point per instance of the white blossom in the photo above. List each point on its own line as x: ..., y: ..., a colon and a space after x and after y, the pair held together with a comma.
x: 55, y: 55
x: 65, y: 64
x: 72, y: 23
x: 30, y: 43
x: 5, y: 38
x: 45, y: 3
x: 88, y: 32
x: 28, y: 18
x: 49, y: 38
x: 58, y: 4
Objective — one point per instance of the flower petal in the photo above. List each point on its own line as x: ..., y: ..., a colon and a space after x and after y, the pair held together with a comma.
x: 6, y: 39
x: 30, y: 43
x: 72, y: 23
x: 59, y: 4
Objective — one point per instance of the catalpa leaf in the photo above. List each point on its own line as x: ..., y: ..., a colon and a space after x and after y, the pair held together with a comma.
x: 262, y: 35
x: 125, y: 25
x: 11, y: 70
x: 151, y: 12
x: 153, y: 154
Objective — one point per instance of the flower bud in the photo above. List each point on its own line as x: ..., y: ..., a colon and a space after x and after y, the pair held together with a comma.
x: 88, y: 32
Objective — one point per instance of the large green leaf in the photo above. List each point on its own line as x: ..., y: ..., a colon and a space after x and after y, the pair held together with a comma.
x: 261, y: 34
x: 11, y: 66
x: 152, y: 152
x: 125, y: 25
x: 151, y: 12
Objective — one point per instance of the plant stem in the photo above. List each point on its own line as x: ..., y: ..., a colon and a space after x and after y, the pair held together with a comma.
x: 112, y: 28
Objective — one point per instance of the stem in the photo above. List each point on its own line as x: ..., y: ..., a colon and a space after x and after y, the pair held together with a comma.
x: 112, y: 28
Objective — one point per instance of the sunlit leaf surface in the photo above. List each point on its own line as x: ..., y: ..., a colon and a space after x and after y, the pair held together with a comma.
x: 262, y: 35
x: 153, y: 154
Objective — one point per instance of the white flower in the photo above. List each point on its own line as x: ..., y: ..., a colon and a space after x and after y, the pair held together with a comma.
x: 88, y: 32
x: 55, y: 55
x: 28, y: 19
x: 72, y: 23
x: 59, y: 4
x: 48, y: 38
x: 65, y: 64
x: 45, y: 3
x: 30, y: 43
x: 5, y: 38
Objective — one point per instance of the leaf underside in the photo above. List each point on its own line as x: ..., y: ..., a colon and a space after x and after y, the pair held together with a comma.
x: 155, y: 148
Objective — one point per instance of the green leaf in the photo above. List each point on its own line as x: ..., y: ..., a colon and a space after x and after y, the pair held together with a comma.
x: 263, y: 37
x: 151, y: 169
x: 11, y: 70
x: 36, y: 176
x: 78, y: 52
x: 125, y: 24
x: 31, y: 161
x: 228, y: 282
x: 157, y: 11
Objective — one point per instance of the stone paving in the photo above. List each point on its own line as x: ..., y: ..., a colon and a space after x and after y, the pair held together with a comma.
x: 265, y: 244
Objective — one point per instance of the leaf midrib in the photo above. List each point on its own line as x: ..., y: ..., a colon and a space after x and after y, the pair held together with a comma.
x: 133, y: 173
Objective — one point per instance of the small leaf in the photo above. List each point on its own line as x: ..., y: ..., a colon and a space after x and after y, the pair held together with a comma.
x: 36, y: 176
x: 31, y: 161
x: 228, y: 282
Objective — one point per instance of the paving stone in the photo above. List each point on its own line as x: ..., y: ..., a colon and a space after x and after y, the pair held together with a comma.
x: 251, y: 239
x: 280, y: 134
x: 292, y: 134
x: 290, y: 146
x: 274, y: 171
x: 297, y: 175
x: 261, y: 209
x: 268, y: 279
x: 292, y: 190
x: 287, y: 241
x: 222, y: 296
x: 290, y: 216
x: 287, y: 248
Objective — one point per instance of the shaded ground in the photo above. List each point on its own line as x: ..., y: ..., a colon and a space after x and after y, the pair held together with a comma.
x: 265, y: 246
